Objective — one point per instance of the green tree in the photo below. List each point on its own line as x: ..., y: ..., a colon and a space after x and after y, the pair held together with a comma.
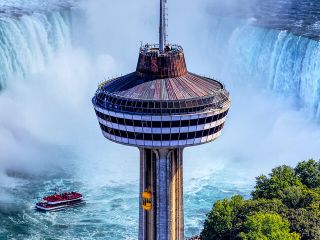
x: 227, y: 217
x: 305, y: 222
x: 250, y: 207
x: 273, y: 186
x: 221, y: 221
x: 268, y: 226
x: 309, y: 173
x: 286, y: 200
x: 300, y: 197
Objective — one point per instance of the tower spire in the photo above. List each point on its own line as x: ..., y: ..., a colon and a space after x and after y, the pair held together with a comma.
x: 163, y: 26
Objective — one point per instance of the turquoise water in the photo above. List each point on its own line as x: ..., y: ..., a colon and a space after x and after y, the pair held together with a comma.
x: 111, y: 210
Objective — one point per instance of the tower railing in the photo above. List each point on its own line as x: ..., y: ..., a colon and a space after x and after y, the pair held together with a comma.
x: 153, y: 49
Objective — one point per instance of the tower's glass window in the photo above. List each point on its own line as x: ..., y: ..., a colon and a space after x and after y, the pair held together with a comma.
x: 166, y: 124
x: 139, y: 105
x: 157, y: 105
x: 151, y: 105
x: 145, y: 105
x: 176, y: 104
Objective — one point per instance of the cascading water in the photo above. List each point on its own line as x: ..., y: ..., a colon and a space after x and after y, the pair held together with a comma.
x: 276, y: 59
x: 287, y: 64
x: 29, y: 41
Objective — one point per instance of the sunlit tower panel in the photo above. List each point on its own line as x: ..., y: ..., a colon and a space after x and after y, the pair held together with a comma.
x: 161, y: 108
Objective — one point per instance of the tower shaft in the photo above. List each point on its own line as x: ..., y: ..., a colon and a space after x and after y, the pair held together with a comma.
x: 163, y: 26
x: 161, y: 171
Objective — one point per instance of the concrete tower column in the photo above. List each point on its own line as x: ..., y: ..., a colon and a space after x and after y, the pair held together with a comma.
x: 161, y: 172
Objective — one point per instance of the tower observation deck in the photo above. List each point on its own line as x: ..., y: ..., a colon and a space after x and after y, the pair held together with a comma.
x: 161, y: 108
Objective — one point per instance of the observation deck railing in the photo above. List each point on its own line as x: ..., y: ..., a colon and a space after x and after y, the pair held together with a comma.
x: 153, y: 49
x: 166, y: 107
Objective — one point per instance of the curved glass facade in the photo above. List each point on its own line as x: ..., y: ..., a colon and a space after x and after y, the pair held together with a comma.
x: 161, y: 137
x: 136, y: 106
x: 161, y: 124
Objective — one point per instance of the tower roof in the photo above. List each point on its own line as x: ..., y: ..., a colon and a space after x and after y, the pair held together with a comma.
x: 163, y: 77
x: 188, y: 86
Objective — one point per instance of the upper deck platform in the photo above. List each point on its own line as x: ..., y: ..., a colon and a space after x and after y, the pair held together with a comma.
x: 161, y: 77
x: 187, y: 86
x: 161, y: 84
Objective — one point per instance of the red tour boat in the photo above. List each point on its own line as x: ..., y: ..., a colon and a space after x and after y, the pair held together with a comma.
x: 60, y: 201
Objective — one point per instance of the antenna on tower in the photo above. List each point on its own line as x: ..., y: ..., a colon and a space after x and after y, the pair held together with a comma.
x: 163, y: 26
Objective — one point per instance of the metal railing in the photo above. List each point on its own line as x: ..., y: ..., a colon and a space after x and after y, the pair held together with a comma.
x: 136, y: 106
x: 153, y: 49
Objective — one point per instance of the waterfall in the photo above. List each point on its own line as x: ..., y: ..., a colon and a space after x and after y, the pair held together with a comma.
x: 284, y: 63
x: 287, y: 64
x: 28, y: 41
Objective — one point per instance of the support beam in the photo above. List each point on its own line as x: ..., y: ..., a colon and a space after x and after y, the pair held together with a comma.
x: 161, y: 172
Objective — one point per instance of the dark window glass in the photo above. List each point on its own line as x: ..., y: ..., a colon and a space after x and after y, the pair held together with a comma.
x: 198, y: 134
x: 183, y: 136
x: 156, y: 124
x: 201, y: 121
x: 191, y: 135
x: 124, y: 102
x: 175, y: 136
x: 121, y: 121
x: 139, y: 104
x: 145, y: 124
x: 145, y: 104
x: 113, y: 100
x: 188, y: 104
x: 156, y: 137
x: 193, y: 122
x: 164, y: 105
x: 166, y: 137
x: 148, y: 137
x: 184, y: 123
x: 175, y: 124
x: 129, y: 104
x: 209, y: 119
x: 131, y: 135
x: 157, y: 105
x: 176, y: 105
x: 139, y: 136
x: 166, y: 124
x: 151, y: 105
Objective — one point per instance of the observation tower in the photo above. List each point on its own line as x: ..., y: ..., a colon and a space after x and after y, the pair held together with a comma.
x: 161, y: 108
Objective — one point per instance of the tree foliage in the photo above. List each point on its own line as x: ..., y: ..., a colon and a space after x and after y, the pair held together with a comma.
x: 267, y: 226
x: 220, y: 222
x: 284, y: 205
x: 305, y: 222
x: 273, y: 186
x: 309, y: 173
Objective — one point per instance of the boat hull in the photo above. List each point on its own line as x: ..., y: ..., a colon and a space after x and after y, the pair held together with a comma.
x: 58, y: 207
x: 65, y: 201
